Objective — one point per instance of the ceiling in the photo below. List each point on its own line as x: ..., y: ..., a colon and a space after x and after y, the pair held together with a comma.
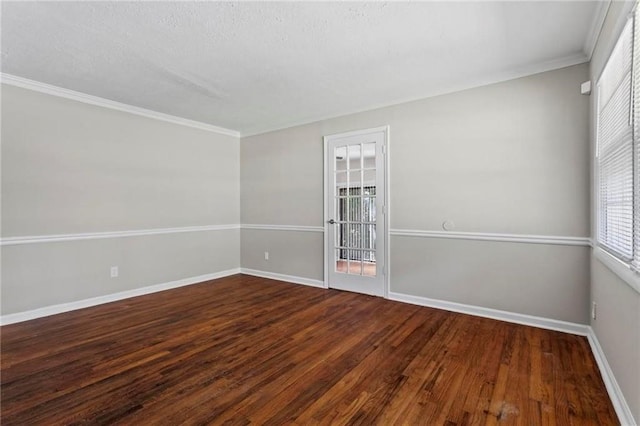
x: 259, y: 66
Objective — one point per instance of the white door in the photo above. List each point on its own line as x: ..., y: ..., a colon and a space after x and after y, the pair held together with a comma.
x: 355, y: 223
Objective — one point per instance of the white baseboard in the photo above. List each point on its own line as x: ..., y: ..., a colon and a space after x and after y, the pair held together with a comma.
x: 80, y: 304
x: 546, y: 323
x: 283, y: 277
x: 613, y: 389
x: 615, y: 393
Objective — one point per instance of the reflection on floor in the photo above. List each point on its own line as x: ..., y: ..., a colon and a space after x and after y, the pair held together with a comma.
x: 368, y: 268
x: 248, y: 350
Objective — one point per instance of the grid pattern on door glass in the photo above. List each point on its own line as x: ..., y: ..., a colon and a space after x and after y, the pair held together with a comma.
x: 355, y: 204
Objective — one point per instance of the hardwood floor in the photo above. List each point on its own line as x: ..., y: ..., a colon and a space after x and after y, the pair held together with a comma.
x: 243, y: 350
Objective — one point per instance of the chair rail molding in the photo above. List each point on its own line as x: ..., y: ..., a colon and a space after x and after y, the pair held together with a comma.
x: 486, y: 236
x: 37, y: 239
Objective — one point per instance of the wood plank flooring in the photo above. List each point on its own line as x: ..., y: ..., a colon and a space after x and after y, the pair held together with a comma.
x: 245, y: 350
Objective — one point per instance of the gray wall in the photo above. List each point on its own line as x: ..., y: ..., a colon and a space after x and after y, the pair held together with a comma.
x: 69, y: 168
x: 618, y: 320
x: 492, y: 159
x: 511, y: 157
x: 292, y: 253
x: 508, y: 276
x: 618, y: 329
x: 281, y: 177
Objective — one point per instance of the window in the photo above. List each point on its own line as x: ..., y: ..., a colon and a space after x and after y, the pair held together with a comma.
x: 362, y: 209
x: 617, y: 150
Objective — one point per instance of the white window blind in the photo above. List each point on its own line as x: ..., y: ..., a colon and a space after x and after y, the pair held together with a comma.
x: 635, y: 81
x: 615, y: 151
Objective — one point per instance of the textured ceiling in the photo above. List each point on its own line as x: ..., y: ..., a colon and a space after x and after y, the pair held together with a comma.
x: 259, y: 66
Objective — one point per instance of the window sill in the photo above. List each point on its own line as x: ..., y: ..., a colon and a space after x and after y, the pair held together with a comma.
x: 619, y: 268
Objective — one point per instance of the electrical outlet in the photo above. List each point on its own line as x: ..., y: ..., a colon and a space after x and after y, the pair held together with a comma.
x: 266, y: 255
x: 114, y: 272
x: 594, y: 305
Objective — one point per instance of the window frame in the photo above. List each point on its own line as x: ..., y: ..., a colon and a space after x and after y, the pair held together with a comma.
x: 622, y: 266
x: 609, y: 152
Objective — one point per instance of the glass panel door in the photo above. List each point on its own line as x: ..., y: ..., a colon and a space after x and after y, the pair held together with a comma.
x: 355, y: 186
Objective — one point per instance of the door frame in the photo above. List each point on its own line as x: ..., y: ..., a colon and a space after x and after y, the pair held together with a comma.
x: 386, y: 272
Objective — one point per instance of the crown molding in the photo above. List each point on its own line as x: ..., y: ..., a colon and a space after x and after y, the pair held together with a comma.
x: 472, y: 83
x: 49, y: 89
x: 602, y: 8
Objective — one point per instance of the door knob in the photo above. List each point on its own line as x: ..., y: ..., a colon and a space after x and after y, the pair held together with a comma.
x: 331, y: 221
